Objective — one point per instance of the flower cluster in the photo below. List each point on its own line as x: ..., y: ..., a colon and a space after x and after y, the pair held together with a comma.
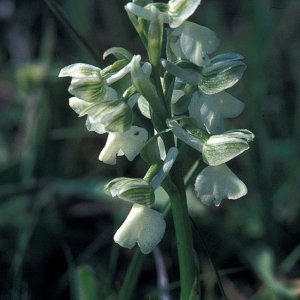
x: 189, y: 103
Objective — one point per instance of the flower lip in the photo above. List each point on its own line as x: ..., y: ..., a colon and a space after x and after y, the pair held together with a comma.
x: 216, y: 183
x: 128, y: 143
x: 143, y: 226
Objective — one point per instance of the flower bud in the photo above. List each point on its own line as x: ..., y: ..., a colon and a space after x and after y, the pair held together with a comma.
x: 146, y: 88
x: 155, y: 35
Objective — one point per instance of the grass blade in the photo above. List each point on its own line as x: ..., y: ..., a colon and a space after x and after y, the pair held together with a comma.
x: 63, y: 18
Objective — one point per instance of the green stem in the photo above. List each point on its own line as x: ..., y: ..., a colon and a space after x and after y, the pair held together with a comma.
x: 183, y: 231
x: 132, y: 276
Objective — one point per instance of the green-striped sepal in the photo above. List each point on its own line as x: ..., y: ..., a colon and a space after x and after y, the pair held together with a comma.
x: 87, y: 82
x: 134, y: 190
x: 220, y: 148
x: 223, y: 72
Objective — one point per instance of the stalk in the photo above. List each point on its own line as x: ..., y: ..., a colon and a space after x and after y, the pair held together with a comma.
x: 183, y: 231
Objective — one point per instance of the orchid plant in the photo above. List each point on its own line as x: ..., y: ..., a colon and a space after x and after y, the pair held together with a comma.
x: 181, y: 88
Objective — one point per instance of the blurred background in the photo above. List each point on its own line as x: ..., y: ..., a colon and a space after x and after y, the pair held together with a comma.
x: 57, y: 225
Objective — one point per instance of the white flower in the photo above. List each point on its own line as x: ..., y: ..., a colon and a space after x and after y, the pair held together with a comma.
x: 108, y: 114
x: 128, y: 143
x: 106, y: 111
x: 143, y: 226
x: 209, y: 111
x: 214, y: 184
x: 216, y: 149
x: 87, y: 82
x: 193, y: 42
x: 175, y: 12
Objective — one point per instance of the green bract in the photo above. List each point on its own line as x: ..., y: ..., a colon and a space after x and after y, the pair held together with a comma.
x: 194, y: 139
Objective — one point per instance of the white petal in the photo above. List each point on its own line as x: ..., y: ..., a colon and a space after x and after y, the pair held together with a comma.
x: 120, y: 74
x: 95, y: 126
x: 128, y: 143
x: 210, y: 110
x: 79, y: 106
x: 143, y: 226
x: 214, y: 184
x: 196, y: 42
x: 175, y: 42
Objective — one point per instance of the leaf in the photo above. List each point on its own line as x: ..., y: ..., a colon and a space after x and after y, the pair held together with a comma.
x: 85, y: 282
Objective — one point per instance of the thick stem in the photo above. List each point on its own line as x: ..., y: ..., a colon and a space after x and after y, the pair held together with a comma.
x: 183, y: 232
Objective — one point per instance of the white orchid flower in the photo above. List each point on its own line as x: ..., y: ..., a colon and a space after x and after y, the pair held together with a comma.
x: 128, y: 143
x: 216, y: 149
x: 193, y: 42
x: 214, y: 184
x: 103, y: 116
x: 106, y: 111
x: 174, y: 13
x: 209, y: 111
x: 143, y: 226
